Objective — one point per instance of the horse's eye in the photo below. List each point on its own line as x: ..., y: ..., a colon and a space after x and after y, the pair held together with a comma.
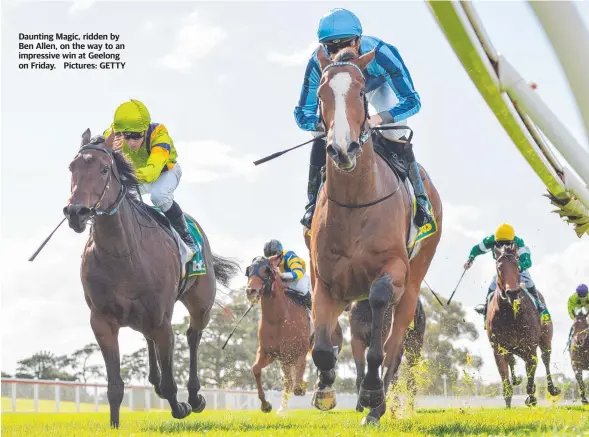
x: 104, y: 170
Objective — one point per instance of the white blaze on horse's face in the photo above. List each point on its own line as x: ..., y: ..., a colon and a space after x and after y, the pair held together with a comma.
x: 340, y: 133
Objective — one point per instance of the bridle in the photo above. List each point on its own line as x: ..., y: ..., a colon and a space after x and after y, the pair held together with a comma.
x: 512, y: 257
x: 365, y: 132
x: 111, y: 210
x: 254, y: 270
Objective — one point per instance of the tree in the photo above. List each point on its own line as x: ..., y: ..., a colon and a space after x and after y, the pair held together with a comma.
x: 79, y: 363
x: 45, y: 365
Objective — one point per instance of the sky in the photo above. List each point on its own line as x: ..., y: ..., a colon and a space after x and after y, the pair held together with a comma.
x: 224, y: 78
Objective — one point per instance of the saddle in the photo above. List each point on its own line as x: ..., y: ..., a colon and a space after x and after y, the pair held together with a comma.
x: 297, y: 298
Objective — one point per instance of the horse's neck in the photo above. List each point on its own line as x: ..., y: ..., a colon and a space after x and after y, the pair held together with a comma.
x: 274, y: 307
x: 115, y: 234
x: 358, y: 186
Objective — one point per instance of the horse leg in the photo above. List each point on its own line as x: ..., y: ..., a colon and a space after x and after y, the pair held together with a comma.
x: 372, y: 392
x: 531, y: 365
x: 107, y: 336
x: 515, y: 381
x: 195, y: 399
x: 163, y: 337
x: 300, y: 386
x: 326, y: 311
x: 579, y: 375
x: 287, y: 378
x: 546, y: 351
x: 262, y: 361
x: 155, y: 376
x: 358, y: 351
x: 503, y: 367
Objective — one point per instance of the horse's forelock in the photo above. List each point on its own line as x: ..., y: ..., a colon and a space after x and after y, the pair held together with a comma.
x: 346, y: 55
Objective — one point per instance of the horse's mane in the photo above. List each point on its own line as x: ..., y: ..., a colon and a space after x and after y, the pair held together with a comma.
x: 124, y: 168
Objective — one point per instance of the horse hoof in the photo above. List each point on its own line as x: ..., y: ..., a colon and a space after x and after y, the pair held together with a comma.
x: 359, y: 408
x: 554, y: 391
x: 370, y: 421
x: 184, y: 409
x: 266, y: 407
x: 299, y: 392
x: 324, y: 399
x: 324, y: 359
x: 516, y: 381
x: 199, y: 405
x: 531, y: 401
x: 371, y: 398
x: 584, y: 401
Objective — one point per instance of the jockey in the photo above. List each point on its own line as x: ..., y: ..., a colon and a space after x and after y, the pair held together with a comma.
x: 292, y: 270
x: 506, y: 234
x: 577, y: 302
x: 151, y: 150
x: 389, y: 89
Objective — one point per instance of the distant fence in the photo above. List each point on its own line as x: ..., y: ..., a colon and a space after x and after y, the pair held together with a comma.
x: 32, y: 395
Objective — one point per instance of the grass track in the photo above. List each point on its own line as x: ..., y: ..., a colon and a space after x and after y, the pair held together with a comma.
x: 563, y: 421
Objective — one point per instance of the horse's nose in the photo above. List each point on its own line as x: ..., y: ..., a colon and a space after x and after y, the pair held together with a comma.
x: 353, y: 149
x: 332, y: 152
x: 76, y: 210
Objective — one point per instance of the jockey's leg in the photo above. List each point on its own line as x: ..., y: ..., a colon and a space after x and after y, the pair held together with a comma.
x: 302, y: 287
x: 162, y: 196
x: 380, y: 101
x: 526, y: 278
x: 318, y: 160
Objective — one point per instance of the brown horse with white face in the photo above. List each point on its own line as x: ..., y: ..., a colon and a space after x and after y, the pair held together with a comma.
x: 131, y: 272
x: 579, y: 350
x: 514, y: 326
x: 284, y: 332
x: 359, y: 234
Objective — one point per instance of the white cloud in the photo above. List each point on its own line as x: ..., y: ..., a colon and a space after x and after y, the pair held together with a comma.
x: 210, y: 160
x: 457, y: 218
x: 293, y: 59
x: 194, y: 40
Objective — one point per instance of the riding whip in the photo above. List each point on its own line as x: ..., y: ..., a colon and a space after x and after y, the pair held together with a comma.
x: 32, y: 258
x: 236, y: 325
x: 277, y: 154
x: 459, y: 281
x: 433, y: 292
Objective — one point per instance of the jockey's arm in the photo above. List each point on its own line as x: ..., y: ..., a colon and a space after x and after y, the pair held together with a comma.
x: 388, y: 58
x: 525, y: 256
x: 295, y: 265
x: 158, y: 156
x: 306, y: 111
x: 572, y: 305
x: 483, y: 247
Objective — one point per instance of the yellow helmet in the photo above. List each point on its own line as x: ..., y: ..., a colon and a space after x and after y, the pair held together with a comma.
x: 131, y: 116
x: 505, y: 232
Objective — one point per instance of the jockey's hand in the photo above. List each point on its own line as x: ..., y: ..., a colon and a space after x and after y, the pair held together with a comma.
x: 117, y: 143
x: 374, y: 120
x: 287, y: 277
x: 468, y: 264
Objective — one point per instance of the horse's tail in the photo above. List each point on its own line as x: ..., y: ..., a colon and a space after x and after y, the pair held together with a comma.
x: 225, y: 269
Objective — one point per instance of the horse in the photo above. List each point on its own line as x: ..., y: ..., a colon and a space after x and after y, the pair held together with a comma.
x: 579, y: 350
x: 284, y: 331
x: 359, y: 233
x: 360, y: 317
x: 514, y: 327
x: 131, y: 273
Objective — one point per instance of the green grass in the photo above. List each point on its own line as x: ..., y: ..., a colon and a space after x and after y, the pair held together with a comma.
x: 562, y: 421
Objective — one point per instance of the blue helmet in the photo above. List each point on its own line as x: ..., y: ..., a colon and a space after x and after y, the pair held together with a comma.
x: 338, y: 23
x: 582, y: 290
x: 272, y: 247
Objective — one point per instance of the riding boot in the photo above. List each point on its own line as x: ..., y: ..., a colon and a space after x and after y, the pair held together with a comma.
x: 176, y: 217
x: 544, y: 314
x: 308, y: 301
x: 422, y: 215
x: 312, y: 189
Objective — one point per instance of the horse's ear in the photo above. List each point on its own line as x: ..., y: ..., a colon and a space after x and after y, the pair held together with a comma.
x: 322, y: 57
x: 365, y: 59
x: 109, y: 141
x: 497, y: 250
x: 85, y: 137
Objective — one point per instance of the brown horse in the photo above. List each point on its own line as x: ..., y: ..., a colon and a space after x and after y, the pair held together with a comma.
x: 131, y: 274
x: 359, y: 233
x: 514, y: 326
x: 284, y: 332
x: 579, y: 350
x: 360, y: 317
